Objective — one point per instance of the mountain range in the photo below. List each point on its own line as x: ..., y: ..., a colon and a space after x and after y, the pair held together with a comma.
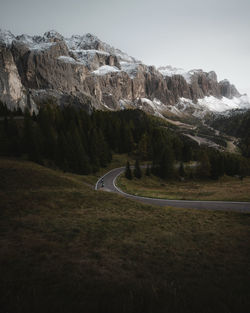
x: 84, y: 71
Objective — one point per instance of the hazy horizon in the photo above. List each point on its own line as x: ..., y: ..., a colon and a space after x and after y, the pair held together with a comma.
x: 186, y: 34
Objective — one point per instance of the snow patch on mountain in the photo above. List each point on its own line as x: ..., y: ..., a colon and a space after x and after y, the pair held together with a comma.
x: 171, y: 71
x: 94, y: 52
x: 212, y: 105
x: 84, y: 42
x: 155, y: 106
x: 106, y: 69
x: 41, y: 45
x: 225, y: 104
x: 86, y: 56
x: 26, y: 39
x: 125, y: 104
x: 67, y: 59
x: 6, y: 37
x: 130, y: 68
x: 35, y: 42
x: 120, y: 54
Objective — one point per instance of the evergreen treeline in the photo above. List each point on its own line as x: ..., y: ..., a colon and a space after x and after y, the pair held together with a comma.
x: 4, y: 111
x: 214, y: 164
x: 76, y: 141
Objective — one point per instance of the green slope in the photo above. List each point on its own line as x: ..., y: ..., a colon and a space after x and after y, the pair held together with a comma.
x: 67, y: 248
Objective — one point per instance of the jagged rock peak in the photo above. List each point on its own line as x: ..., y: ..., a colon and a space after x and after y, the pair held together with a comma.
x: 86, y: 71
x: 228, y: 90
x: 91, y: 42
x: 84, y: 42
x: 212, y: 75
x: 6, y: 37
x: 53, y: 35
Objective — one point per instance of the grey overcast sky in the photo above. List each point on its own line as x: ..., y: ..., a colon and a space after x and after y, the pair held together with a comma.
x: 207, y: 34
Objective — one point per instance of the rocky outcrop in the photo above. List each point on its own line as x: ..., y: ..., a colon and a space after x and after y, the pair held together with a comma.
x: 204, y: 84
x: 227, y: 90
x: 12, y: 90
x: 85, y: 71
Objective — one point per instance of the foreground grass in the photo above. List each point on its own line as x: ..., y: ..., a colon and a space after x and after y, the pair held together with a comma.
x: 226, y: 189
x: 66, y: 248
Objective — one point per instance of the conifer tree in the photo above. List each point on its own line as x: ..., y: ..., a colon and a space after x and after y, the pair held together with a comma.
x: 46, y: 123
x: 4, y: 110
x: 128, y: 173
x: 13, y: 139
x: 126, y: 139
x: 166, y: 168
x: 137, y: 169
x: 182, y: 172
x: 186, y: 152
x: 104, y: 153
x: 217, y: 164
x: 79, y: 162
x: 4, y: 141
x: 94, y: 148
x: 148, y: 170
x: 27, y: 132
x: 61, y: 151
x: 204, y: 168
x: 35, y: 154
x: 178, y: 147
x: 143, y: 147
x: 31, y: 139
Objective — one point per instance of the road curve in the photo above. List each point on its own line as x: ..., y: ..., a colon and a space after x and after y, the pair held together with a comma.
x: 109, y: 181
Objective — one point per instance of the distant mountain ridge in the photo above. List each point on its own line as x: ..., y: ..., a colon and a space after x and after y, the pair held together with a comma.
x: 84, y: 71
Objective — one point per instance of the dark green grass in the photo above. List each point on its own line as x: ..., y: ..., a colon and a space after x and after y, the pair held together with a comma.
x: 66, y: 248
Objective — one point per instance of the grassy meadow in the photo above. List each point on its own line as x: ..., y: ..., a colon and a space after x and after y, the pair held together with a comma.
x: 226, y: 188
x: 67, y: 248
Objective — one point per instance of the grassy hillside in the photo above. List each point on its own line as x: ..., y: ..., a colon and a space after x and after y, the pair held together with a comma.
x: 67, y: 248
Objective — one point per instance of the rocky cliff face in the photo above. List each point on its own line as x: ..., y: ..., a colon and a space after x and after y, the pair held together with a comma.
x: 84, y: 71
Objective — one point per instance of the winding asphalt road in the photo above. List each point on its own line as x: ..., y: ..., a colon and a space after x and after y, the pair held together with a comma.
x: 109, y: 180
